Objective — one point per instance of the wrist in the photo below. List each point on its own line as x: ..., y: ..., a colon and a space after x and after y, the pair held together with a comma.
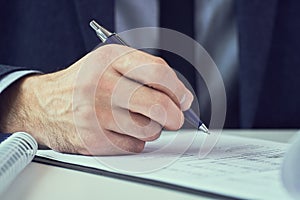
x: 17, y: 103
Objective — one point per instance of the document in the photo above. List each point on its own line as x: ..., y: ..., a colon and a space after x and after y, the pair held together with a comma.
x: 290, y: 168
x: 236, y: 167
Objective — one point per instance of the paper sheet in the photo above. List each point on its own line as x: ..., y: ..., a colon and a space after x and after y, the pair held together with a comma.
x: 237, y: 167
x: 290, y: 168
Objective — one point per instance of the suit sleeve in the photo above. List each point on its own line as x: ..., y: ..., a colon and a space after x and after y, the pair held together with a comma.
x: 9, y: 75
x: 4, y: 70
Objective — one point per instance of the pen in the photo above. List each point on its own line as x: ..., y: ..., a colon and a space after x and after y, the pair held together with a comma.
x: 108, y: 37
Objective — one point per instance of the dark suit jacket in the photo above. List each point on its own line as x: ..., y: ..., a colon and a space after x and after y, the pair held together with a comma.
x: 50, y: 35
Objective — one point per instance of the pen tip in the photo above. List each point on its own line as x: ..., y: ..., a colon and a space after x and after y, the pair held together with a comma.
x: 204, y: 129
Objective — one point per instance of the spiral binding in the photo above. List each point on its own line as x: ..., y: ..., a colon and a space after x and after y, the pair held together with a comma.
x: 15, y: 153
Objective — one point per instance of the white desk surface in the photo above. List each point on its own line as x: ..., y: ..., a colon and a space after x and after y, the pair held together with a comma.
x: 39, y: 181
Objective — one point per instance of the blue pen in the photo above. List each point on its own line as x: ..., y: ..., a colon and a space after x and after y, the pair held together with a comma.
x: 112, y: 38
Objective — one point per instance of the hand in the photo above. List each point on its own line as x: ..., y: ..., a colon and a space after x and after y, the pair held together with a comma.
x: 111, y: 101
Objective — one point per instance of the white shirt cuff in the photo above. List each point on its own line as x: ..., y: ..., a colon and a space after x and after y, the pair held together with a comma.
x: 12, y: 77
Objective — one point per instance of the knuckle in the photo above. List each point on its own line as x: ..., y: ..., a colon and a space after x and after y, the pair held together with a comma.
x: 155, y: 135
x: 137, y: 147
x: 151, y: 132
x: 159, y: 60
x: 159, y: 67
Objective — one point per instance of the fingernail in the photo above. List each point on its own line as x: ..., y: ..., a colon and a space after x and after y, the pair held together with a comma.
x: 186, y: 101
x: 182, y: 100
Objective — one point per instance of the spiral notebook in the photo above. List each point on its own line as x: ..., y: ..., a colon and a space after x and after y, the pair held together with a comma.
x: 16, y: 152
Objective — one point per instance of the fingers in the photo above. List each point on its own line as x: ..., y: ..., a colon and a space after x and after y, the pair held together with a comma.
x: 157, y: 106
x: 153, y: 72
x: 147, y: 102
x: 134, y: 125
